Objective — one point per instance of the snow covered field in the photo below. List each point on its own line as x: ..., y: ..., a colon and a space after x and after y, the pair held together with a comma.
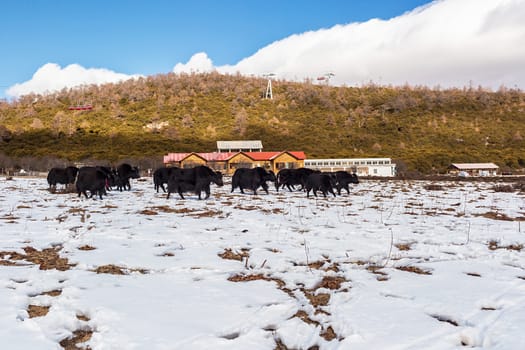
x: 393, y: 265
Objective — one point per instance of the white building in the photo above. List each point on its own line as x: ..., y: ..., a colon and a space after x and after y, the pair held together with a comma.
x: 360, y: 166
x: 240, y: 146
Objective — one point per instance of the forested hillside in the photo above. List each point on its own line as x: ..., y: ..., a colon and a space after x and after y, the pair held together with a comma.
x: 421, y: 128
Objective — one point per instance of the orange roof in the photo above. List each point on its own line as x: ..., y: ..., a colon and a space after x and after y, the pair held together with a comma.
x: 261, y: 155
x: 297, y: 154
x: 273, y: 155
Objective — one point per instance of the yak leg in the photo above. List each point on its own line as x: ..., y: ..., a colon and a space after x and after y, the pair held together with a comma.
x: 207, y: 190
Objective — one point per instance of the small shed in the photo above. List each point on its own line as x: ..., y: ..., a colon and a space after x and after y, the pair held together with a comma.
x: 474, y: 169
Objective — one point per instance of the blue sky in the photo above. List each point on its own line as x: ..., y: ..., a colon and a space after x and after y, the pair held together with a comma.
x: 150, y: 37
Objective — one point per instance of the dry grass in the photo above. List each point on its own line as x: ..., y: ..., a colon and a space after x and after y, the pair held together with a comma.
x: 317, y: 300
x: 279, y: 345
x: 48, y: 258
x: 53, y: 293
x: 83, y: 317
x: 229, y: 254
x: 117, y: 270
x: 328, y: 334
x: 7, y: 263
x: 76, y: 210
x: 503, y: 188
x: 37, y: 311
x: 10, y: 218
x: 273, y: 211
x: 496, y: 216
x: 433, y: 187
x: 148, y: 212
x: 79, y: 336
x: 414, y: 269
x: 494, y: 245
x: 403, y: 246
x: 331, y: 282
x: 375, y: 269
x: 245, y: 207
x: 168, y: 209
x: 207, y: 214
x: 191, y: 212
x: 301, y: 314
x: 248, y: 278
x: 446, y: 319
x: 111, y: 269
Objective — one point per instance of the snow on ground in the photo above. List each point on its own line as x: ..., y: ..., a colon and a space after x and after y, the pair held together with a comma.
x: 392, y: 265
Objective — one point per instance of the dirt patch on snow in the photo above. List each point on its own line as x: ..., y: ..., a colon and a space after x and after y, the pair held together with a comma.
x: 37, y: 311
x: 414, y: 269
x: 494, y: 245
x: 48, y: 258
x: 118, y: 270
x: 229, y: 254
x: 79, y: 336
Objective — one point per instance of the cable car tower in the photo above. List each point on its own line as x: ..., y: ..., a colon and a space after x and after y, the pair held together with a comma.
x: 269, y: 93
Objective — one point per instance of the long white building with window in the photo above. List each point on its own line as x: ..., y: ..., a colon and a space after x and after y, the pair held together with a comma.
x: 360, y: 166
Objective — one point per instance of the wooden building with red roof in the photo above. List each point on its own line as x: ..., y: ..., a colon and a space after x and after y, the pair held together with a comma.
x: 228, y: 162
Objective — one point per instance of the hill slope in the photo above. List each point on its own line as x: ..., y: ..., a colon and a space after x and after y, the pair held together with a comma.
x: 424, y: 129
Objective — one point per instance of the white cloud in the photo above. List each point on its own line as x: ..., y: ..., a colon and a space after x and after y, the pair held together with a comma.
x: 446, y: 43
x: 198, y: 63
x: 51, y: 77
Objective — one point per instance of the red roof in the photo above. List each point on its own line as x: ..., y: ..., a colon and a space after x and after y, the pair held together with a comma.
x: 175, y: 157
x: 223, y: 156
x: 217, y: 156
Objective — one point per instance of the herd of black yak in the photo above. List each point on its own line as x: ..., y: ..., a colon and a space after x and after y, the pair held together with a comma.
x: 97, y: 180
